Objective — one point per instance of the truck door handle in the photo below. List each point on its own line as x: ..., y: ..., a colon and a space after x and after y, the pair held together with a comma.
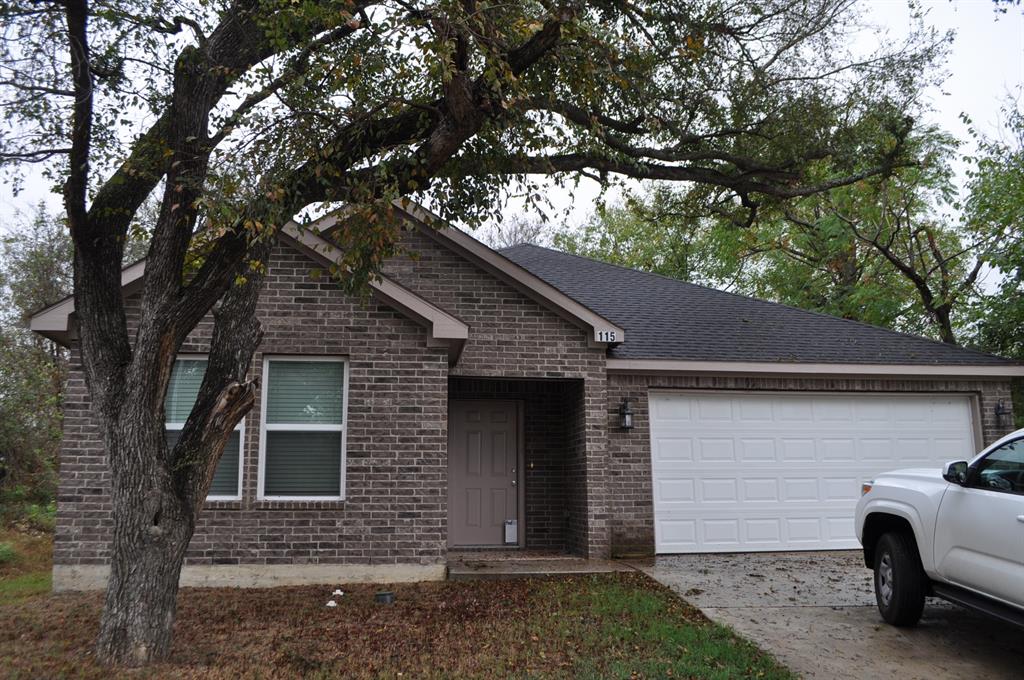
x: 1020, y: 518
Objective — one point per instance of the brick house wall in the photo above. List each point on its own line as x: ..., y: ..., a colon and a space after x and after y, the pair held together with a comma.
x: 630, y: 492
x: 395, y: 510
x: 396, y: 504
x: 512, y: 336
x: 589, y: 486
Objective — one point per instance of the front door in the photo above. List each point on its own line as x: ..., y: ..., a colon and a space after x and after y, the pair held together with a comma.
x: 483, y: 468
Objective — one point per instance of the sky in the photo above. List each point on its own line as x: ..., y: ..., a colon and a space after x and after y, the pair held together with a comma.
x: 986, y: 65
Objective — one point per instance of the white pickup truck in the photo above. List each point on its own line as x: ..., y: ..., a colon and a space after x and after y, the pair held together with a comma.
x: 957, y: 534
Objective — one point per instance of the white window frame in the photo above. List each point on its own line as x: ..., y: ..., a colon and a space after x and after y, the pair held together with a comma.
x: 306, y: 427
x: 240, y: 429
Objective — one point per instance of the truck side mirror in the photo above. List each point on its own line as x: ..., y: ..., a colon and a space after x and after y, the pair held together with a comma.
x: 955, y: 472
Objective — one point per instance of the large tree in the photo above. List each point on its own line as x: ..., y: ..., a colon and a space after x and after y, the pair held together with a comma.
x: 241, y: 113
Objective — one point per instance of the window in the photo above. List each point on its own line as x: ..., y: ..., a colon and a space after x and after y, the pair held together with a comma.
x: 302, y: 443
x: 1002, y: 469
x: 186, y: 378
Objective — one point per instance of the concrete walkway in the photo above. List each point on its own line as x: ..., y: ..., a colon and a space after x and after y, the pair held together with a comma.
x: 815, y: 612
x: 464, y: 566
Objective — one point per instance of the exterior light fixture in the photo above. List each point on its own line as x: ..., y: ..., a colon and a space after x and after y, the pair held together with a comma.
x: 626, y: 414
x: 1001, y: 413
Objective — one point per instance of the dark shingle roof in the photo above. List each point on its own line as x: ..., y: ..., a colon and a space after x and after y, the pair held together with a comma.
x: 669, y: 319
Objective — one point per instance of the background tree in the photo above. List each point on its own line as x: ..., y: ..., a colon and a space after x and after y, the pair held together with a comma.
x: 898, y: 251
x: 995, y: 209
x: 818, y: 265
x: 516, y: 230
x: 35, y: 270
x: 905, y: 221
x: 240, y: 114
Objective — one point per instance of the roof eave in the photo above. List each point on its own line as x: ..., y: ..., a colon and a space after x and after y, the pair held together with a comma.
x: 682, y: 366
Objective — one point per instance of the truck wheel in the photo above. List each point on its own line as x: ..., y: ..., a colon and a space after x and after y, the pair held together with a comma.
x: 900, y: 582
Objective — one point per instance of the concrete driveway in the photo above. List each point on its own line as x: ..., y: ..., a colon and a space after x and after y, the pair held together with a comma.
x: 816, y: 613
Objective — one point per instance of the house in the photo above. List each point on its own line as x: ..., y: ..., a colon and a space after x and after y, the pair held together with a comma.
x: 532, y: 399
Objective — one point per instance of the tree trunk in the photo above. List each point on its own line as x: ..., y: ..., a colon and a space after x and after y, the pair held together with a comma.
x: 152, y: 529
x: 943, y: 315
x: 157, y: 492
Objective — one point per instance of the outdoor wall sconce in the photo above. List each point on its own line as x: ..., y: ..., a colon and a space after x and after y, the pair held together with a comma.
x: 1001, y: 413
x: 626, y: 414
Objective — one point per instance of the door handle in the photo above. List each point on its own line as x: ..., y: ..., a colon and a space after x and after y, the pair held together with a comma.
x: 1020, y: 518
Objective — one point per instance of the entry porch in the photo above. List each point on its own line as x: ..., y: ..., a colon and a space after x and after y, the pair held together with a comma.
x: 517, y: 466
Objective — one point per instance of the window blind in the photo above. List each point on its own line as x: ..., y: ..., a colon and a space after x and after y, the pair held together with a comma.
x: 182, y: 391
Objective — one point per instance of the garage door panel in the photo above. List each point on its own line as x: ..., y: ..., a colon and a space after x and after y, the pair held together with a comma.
x: 671, y: 409
x: 753, y: 450
x: 779, y: 472
x: 759, y: 412
x: 837, y: 450
x: 669, y: 449
x: 760, y: 489
x: 674, y: 491
x: 797, y: 489
x: 766, y: 532
x: 716, y: 450
x: 840, y: 488
x: 797, y: 449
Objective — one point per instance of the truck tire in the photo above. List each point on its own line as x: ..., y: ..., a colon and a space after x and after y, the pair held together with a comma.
x: 900, y: 581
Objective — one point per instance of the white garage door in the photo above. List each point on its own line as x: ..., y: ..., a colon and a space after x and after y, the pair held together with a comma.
x: 742, y: 472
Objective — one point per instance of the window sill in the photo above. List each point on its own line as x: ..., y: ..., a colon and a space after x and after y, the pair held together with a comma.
x: 223, y: 503
x: 298, y: 504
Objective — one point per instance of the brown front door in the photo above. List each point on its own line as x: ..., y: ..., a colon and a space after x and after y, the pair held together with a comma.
x: 483, y: 465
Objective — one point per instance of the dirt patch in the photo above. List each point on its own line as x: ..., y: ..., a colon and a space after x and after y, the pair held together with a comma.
x: 617, y: 625
x: 30, y: 552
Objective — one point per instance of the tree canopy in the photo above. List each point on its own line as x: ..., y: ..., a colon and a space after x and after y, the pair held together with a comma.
x: 233, y: 116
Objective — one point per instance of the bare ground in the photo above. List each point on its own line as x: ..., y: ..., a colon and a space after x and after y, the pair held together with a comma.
x: 615, y: 625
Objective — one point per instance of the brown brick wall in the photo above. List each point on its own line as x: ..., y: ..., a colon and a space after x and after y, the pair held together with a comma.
x: 589, y: 488
x: 395, y: 506
x: 395, y: 509
x: 630, y: 495
x: 514, y: 336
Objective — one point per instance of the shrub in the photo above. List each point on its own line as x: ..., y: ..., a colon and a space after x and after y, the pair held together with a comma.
x: 40, y: 517
x: 7, y: 553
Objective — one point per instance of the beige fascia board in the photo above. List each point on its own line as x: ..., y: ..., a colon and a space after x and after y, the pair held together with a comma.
x: 445, y: 329
x: 500, y: 266
x: 54, y: 322
x: 676, y: 367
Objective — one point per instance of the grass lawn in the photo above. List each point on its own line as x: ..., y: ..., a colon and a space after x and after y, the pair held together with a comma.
x: 24, y: 564
x: 607, y: 626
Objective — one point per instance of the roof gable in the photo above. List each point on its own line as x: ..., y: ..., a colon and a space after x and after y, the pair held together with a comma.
x: 445, y: 330
x: 602, y: 330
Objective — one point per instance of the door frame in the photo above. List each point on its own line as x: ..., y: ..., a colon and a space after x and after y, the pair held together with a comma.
x: 520, y: 478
